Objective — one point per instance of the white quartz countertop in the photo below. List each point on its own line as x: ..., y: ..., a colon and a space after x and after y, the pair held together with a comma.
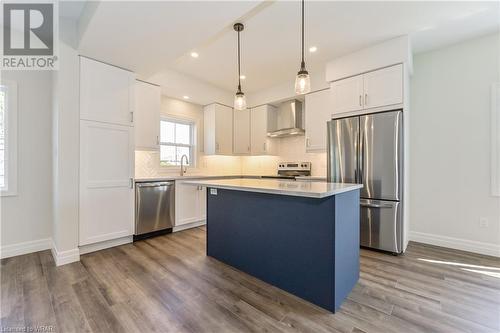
x: 314, y: 189
x: 190, y: 177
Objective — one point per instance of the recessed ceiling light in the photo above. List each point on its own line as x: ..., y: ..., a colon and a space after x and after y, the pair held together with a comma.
x: 243, y: 77
x: 185, y: 97
x: 313, y: 49
x: 194, y: 55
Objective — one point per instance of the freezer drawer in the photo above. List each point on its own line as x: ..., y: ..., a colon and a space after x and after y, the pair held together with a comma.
x: 381, y: 225
x: 154, y: 209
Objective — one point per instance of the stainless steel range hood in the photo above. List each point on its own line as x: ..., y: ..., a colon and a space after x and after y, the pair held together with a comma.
x: 289, y: 120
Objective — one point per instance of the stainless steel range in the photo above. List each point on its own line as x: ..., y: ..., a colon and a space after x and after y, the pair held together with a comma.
x: 291, y: 170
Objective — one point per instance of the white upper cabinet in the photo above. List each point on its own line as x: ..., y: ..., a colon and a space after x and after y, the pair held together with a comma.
x: 376, y: 89
x: 106, y: 93
x: 318, y: 110
x: 218, y: 129
x: 241, y: 132
x: 147, y: 115
x: 262, y: 120
x: 383, y: 87
x: 347, y: 94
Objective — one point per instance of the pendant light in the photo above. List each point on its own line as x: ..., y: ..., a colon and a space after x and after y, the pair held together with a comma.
x: 240, y: 102
x: 302, y: 81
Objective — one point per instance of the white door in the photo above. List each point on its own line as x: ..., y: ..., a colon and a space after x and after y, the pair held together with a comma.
x: 147, y: 115
x: 260, y: 119
x: 106, y: 93
x: 318, y: 110
x: 223, y: 129
x: 347, y: 95
x: 106, y: 181
x: 383, y: 87
x: 241, y: 132
x: 190, y: 203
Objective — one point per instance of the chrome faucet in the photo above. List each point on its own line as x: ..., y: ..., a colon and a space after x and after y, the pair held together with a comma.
x: 184, y: 167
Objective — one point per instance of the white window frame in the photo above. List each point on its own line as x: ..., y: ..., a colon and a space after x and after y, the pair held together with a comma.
x: 192, y: 134
x: 11, y: 138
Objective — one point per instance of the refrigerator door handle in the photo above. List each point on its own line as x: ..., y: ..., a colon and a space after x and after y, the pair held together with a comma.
x: 375, y: 205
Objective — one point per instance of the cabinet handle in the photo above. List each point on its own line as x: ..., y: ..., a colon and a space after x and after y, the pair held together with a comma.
x: 157, y: 140
x: 308, y: 142
x: 131, y: 183
x: 360, y: 103
x: 131, y: 116
x: 366, y: 99
x: 248, y: 148
x: 265, y: 146
x: 217, y: 146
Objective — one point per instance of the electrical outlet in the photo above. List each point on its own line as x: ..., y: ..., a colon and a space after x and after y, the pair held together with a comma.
x: 483, y: 222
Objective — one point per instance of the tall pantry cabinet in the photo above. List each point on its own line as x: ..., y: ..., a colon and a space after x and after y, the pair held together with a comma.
x: 106, y: 152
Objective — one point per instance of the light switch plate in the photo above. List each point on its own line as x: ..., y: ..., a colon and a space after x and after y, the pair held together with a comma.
x: 213, y: 191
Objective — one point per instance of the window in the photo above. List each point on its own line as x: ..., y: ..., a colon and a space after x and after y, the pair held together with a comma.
x: 8, y: 138
x: 176, y: 140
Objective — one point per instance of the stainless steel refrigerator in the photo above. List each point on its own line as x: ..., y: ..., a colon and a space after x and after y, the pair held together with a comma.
x: 368, y: 150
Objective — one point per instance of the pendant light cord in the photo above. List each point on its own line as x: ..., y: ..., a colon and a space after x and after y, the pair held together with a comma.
x: 302, y: 64
x: 239, y: 68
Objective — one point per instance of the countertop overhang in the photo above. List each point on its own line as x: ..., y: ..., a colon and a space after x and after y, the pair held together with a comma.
x: 311, y: 189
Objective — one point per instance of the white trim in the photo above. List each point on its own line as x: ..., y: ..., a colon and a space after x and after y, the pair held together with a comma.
x: 456, y: 243
x: 105, y: 245
x: 189, y: 226
x: 64, y: 257
x: 495, y: 139
x: 11, y: 138
x: 18, y: 249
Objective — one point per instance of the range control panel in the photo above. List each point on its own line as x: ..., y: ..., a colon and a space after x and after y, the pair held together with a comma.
x: 294, y: 166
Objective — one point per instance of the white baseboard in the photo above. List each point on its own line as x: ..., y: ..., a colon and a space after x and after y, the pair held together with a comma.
x: 189, y: 226
x: 25, y: 248
x: 65, y: 257
x: 456, y: 243
x: 105, y: 245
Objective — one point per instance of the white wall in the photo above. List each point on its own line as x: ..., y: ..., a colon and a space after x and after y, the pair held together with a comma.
x: 66, y: 154
x: 450, y: 146
x: 27, y: 217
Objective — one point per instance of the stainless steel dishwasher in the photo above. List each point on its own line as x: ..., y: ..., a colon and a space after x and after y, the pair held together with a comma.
x: 154, y: 208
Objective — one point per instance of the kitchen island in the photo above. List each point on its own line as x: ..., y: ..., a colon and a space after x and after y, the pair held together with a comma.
x: 302, y: 237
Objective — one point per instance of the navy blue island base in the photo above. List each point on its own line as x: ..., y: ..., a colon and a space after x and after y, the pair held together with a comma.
x: 306, y: 246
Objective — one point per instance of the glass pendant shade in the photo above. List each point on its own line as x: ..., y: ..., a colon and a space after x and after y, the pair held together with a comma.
x: 240, y: 101
x: 302, y: 83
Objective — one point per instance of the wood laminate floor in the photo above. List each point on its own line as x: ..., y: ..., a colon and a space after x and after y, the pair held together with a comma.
x: 167, y: 284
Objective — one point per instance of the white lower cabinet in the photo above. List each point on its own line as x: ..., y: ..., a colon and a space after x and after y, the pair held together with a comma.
x: 106, y: 182
x: 190, y: 204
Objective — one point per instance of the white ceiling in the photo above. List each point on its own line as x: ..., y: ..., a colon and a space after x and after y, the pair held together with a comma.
x: 151, y: 37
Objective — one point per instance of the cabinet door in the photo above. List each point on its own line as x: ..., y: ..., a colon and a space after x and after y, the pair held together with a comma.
x: 106, y: 93
x: 106, y: 182
x: 223, y: 129
x: 318, y: 110
x: 202, y: 203
x: 384, y: 87
x: 241, y: 132
x: 260, y: 119
x: 147, y: 115
x: 347, y: 95
x: 190, y: 203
